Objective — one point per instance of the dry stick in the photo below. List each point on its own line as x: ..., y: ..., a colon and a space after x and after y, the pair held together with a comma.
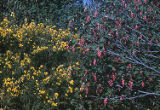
x: 134, y: 61
x: 128, y: 98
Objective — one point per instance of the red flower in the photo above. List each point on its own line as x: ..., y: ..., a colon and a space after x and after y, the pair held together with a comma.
x: 101, y: 90
x: 125, y: 5
x: 144, y: 18
x: 130, y: 83
x: 142, y: 84
x: 84, y: 52
x: 150, y: 79
x: 96, y: 13
x: 67, y: 47
x: 107, y: 75
x: 113, y: 77
x: 137, y: 42
x: 73, y: 49
x: 94, y: 62
x: 86, y: 71
x: 117, y: 33
x: 122, y: 61
x: 88, y: 19
x: 145, y: 1
x: 123, y: 2
x: 136, y: 27
x: 130, y: 66
x: 122, y: 82
x: 99, y: 53
x: 141, y: 72
x: 105, y: 101
x: 140, y: 37
x: 121, y: 98
x: 95, y: 78
x: 156, y: 41
x: 131, y: 14
x: 94, y: 33
x: 110, y: 83
x: 86, y: 89
x: 70, y: 22
x: 141, y: 13
x: 135, y: 1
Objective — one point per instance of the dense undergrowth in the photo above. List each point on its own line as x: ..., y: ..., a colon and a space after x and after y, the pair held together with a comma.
x: 106, y: 58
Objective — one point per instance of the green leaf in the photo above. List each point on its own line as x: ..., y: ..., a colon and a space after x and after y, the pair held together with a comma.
x: 69, y: 17
x: 102, y: 40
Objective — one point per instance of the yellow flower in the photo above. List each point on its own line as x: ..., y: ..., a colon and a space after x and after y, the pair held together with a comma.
x: 28, y: 75
x: 33, y: 77
x: 54, y: 48
x: 45, y: 73
x: 77, y: 63
x: 73, y: 66
x: 56, y: 95
x: 76, y: 89
x: 71, y: 82
x: 60, y: 70
x: 57, y: 83
x: 25, y: 71
x: 80, y: 96
x: 54, y: 104
x: 42, y: 91
x: 1, y: 29
x: 13, y: 72
x: 53, y: 26
x: 41, y: 66
x: 9, y: 89
x: 4, y: 33
x: 9, y: 66
x: 13, y: 14
x: 70, y: 89
x: 20, y: 45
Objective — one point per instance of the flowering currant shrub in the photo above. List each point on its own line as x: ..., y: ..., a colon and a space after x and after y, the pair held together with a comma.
x: 120, y: 55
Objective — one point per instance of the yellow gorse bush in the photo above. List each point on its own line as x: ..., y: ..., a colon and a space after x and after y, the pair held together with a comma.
x: 20, y: 76
x: 26, y: 33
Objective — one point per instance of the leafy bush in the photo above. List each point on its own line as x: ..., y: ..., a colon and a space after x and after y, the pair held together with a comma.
x: 46, y: 11
x: 37, y: 66
x: 120, y: 55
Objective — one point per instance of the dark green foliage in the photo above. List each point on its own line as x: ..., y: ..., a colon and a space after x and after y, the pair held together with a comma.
x: 46, y: 11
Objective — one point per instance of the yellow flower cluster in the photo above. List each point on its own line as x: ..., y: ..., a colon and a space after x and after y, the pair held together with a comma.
x: 19, y: 73
x: 26, y: 60
x: 39, y: 49
x: 26, y: 33
x: 11, y: 86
